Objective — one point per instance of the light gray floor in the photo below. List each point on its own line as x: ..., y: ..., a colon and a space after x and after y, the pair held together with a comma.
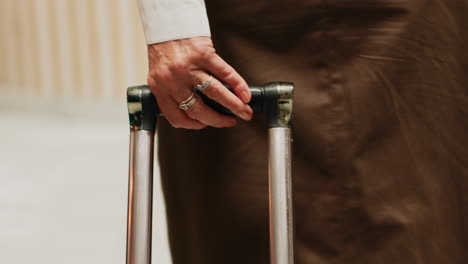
x: 63, y: 191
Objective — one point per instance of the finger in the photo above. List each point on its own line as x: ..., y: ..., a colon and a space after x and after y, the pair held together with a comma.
x: 175, y: 115
x: 219, y: 93
x: 216, y: 65
x: 201, y: 112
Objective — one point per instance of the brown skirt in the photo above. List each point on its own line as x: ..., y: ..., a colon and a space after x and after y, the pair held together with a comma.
x: 380, y: 170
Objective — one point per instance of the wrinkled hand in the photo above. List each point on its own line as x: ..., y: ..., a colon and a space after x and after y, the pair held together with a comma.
x: 176, y: 66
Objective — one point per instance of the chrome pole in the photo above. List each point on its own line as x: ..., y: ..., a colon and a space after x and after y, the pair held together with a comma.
x: 279, y: 173
x: 281, y: 223
x: 140, y: 196
x: 140, y: 186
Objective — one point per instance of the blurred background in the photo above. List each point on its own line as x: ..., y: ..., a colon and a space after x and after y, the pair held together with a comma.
x: 64, y: 69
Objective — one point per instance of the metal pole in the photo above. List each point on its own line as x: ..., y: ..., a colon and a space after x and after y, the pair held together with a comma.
x: 140, y: 196
x: 281, y: 219
x: 279, y: 175
x: 142, y: 115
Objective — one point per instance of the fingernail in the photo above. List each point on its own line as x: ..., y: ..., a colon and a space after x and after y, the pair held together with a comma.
x: 245, y: 96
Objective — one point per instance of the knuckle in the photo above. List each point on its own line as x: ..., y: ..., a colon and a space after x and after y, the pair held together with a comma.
x: 194, y: 112
x: 235, y: 104
x: 214, y: 92
x: 225, y: 72
x: 206, y: 53
x: 237, y: 108
x: 161, y: 75
x: 235, y: 84
x: 178, y: 65
x: 151, y: 82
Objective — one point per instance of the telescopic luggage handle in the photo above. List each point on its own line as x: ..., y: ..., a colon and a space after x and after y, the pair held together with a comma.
x: 274, y: 99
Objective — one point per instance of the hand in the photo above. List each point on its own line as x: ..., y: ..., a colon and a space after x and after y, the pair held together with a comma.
x: 176, y: 66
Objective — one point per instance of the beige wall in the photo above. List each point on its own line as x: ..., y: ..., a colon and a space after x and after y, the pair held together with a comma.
x: 73, y: 49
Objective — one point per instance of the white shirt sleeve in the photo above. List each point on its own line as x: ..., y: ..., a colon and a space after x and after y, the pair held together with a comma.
x: 165, y: 20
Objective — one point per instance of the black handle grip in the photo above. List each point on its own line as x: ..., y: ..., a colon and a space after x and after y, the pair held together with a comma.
x: 261, y: 96
x: 143, y: 106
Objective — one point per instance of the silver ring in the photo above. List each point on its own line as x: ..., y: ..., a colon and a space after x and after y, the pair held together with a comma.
x: 187, y: 103
x: 201, y: 87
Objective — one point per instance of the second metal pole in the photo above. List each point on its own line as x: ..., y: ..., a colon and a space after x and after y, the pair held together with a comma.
x: 140, y: 197
x: 281, y: 218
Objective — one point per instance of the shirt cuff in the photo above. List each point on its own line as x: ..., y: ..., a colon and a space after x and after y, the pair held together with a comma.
x: 165, y: 20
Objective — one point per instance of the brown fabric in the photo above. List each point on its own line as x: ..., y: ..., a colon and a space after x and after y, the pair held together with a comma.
x: 380, y: 136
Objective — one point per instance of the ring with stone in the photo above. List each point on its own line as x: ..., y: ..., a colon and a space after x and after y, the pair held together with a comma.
x: 203, y: 85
